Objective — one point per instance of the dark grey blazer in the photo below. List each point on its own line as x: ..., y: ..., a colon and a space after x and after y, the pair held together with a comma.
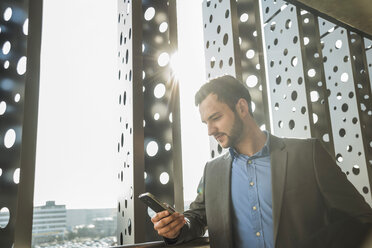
x: 314, y: 205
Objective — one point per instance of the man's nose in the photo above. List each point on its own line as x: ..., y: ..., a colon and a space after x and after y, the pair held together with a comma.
x: 211, y: 129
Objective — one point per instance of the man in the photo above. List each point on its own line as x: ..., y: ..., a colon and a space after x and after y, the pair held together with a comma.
x: 266, y: 191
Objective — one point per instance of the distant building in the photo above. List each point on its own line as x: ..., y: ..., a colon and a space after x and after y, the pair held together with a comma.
x: 49, y: 222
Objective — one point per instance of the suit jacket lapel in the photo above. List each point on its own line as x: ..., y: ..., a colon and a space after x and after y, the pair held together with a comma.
x: 278, y: 155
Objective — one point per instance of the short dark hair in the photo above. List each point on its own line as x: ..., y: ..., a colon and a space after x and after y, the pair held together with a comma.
x: 228, y: 90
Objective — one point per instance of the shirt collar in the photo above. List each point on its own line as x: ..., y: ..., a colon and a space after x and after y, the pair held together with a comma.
x: 265, y: 151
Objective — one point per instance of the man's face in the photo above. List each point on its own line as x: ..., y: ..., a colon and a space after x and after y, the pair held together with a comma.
x: 224, y: 124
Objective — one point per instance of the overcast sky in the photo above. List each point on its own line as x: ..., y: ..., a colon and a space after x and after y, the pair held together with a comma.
x: 75, y: 162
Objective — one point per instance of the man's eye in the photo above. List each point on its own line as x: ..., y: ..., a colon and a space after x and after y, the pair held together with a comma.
x: 216, y: 118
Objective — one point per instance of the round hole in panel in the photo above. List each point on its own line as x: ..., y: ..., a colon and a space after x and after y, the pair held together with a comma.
x: 295, y: 39
x: 213, y: 61
x: 285, y: 52
x: 159, y: 90
x: 349, y: 148
x: 163, y: 59
x: 164, y: 178
x: 306, y: 20
x: 294, y: 61
x: 325, y: 137
x: 276, y: 106
x: 156, y: 116
x: 121, y: 238
x: 344, y: 107
x: 344, y: 77
x: 306, y: 41
x: 339, y: 96
x: 253, y: 106
x: 5, y: 216
x: 314, y: 96
x: 16, y: 176
x: 315, y: 118
x: 339, y: 157
x: 311, y: 72
x: 145, y: 175
x: 149, y: 13
x: 170, y: 118
x: 278, y: 79
x: 251, y: 81
x: 272, y: 26
x: 1, y: 172
x: 21, y: 65
x: 163, y: 27
x: 167, y: 146
x: 338, y: 44
x: 250, y: 54
x: 218, y: 29
x: 129, y: 227
x: 291, y: 124
x: 10, y: 138
x: 227, y: 13
x: 280, y: 124
x: 335, y: 69
x: 288, y: 24
x: 342, y: 132
x: 6, y: 47
x: 6, y: 64
x: 355, y: 120
x: 221, y: 63
x: 303, y: 110
x: 346, y: 59
x: 2, y: 107
x: 244, y: 17
x: 365, y: 190
x: 25, y: 27
x: 225, y: 39
x: 8, y: 14
x: 294, y: 95
x: 231, y: 60
x: 152, y: 148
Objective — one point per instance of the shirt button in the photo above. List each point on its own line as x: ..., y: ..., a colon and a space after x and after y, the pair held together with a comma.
x: 254, y: 208
x: 249, y: 161
x: 258, y: 234
x: 251, y: 183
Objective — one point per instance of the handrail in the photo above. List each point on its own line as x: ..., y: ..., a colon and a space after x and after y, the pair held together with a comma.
x: 198, y: 242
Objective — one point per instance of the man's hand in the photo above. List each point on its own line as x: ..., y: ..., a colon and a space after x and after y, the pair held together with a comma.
x: 167, y: 225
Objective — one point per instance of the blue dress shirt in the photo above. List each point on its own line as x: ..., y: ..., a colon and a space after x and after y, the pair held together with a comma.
x: 251, y: 199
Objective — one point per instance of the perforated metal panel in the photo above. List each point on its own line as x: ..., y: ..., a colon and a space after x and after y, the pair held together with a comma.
x: 286, y: 87
x: 363, y: 93
x: 368, y: 50
x: 270, y: 8
x: 325, y: 26
x: 252, y: 61
x: 19, y: 84
x: 320, y: 124
x: 148, y: 147
x: 130, y: 154
x: 304, y: 63
x: 343, y: 105
x: 160, y: 93
x: 221, y: 45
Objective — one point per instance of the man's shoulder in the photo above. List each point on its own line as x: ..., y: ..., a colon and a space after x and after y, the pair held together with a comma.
x: 223, y: 158
x: 291, y: 141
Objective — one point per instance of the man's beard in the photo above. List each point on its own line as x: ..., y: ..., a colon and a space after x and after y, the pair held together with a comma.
x: 236, y: 131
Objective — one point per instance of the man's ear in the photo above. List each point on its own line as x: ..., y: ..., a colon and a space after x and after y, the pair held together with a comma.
x: 242, y: 108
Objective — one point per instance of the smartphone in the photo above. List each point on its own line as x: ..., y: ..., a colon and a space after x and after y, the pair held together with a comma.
x: 151, y: 201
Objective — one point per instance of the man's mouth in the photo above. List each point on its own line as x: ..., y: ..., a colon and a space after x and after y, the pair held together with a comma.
x: 217, y: 137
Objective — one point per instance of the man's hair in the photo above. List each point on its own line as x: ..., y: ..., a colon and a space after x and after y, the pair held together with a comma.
x: 228, y: 90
